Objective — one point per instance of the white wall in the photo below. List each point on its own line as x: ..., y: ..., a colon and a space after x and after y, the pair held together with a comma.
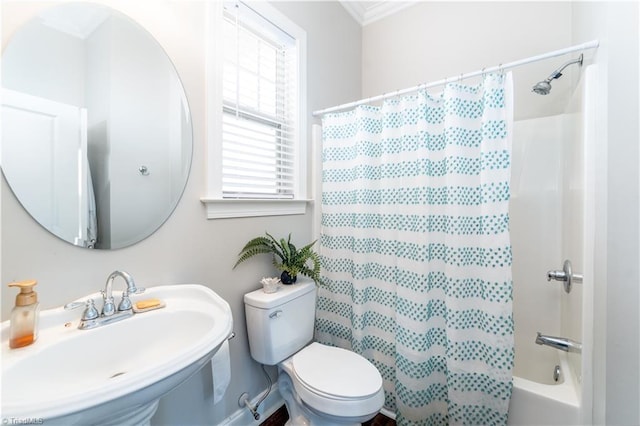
x: 187, y: 248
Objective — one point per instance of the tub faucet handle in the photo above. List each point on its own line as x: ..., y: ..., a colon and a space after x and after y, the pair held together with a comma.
x: 556, y: 275
x: 566, y: 275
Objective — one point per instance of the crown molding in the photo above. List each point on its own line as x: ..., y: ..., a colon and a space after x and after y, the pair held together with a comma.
x: 356, y: 9
x: 367, y: 12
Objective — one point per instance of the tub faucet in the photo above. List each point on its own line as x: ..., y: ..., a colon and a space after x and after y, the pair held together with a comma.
x: 109, y: 307
x: 561, y: 343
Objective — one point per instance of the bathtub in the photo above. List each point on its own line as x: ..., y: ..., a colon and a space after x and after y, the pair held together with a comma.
x: 537, y: 399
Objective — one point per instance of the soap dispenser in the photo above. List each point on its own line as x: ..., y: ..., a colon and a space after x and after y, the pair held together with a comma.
x: 24, y: 316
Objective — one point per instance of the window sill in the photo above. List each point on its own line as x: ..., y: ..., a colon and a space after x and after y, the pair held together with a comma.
x: 227, y: 208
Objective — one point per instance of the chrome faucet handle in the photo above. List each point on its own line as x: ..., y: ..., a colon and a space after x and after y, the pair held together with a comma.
x: 125, y: 303
x: 109, y: 307
x: 566, y: 275
x: 90, y: 311
x: 556, y: 275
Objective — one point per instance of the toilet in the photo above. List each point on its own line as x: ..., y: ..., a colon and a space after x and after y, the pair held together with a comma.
x: 320, y: 384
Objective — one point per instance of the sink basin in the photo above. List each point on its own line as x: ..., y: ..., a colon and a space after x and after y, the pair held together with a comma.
x: 115, y: 373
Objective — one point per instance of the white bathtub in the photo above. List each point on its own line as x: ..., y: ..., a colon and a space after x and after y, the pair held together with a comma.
x: 537, y: 399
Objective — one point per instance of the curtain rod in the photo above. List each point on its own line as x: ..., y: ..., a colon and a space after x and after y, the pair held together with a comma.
x: 502, y: 67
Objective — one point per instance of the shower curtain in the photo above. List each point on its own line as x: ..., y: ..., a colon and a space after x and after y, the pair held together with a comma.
x: 415, y: 249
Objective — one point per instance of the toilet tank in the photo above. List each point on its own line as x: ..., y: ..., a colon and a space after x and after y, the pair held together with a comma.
x: 280, y: 324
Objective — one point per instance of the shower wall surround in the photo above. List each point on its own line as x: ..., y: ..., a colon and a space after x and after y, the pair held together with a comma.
x: 187, y: 248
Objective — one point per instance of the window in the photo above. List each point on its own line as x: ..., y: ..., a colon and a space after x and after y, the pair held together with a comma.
x: 257, y: 144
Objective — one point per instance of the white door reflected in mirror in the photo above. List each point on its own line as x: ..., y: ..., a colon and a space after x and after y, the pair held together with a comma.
x: 49, y: 167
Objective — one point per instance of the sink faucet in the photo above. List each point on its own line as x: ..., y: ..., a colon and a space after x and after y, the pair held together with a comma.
x: 92, y: 319
x: 109, y: 307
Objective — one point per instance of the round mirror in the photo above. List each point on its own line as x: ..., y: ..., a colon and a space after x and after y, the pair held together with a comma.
x: 96, y: 129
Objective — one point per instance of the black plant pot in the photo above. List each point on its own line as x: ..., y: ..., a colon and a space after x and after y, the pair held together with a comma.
x: 287, y: 279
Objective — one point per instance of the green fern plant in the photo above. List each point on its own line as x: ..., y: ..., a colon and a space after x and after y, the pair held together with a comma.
x: 286, y: 257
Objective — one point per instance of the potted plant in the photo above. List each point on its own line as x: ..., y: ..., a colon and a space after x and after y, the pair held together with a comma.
x: 286, y: 257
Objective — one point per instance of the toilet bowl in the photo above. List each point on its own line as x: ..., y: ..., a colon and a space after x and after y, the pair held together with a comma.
x: 321, y: 385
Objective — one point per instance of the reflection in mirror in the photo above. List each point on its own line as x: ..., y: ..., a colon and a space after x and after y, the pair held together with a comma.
x: 96, y: 135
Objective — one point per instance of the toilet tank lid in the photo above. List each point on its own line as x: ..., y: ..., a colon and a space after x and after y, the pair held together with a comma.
x: 285, y: 293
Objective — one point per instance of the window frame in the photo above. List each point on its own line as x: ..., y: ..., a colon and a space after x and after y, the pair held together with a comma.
x: 216, y: 206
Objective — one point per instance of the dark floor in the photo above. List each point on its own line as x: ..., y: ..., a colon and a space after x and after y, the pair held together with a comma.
x: 380, y: 420
x: 280, y: 417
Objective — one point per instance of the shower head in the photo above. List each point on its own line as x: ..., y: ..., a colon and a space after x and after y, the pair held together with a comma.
x: 544, y: 87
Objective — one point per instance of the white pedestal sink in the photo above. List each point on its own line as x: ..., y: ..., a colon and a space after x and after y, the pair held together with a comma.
x: 116, y: 373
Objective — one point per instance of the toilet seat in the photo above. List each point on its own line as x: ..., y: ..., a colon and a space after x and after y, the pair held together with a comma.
x: 336, y: 372
x: 336, y: 381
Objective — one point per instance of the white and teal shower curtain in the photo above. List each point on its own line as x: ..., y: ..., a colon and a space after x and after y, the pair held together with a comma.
x: 415, y: 249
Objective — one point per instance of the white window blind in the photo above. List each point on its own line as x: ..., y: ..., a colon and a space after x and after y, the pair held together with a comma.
x: 260, y: 93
